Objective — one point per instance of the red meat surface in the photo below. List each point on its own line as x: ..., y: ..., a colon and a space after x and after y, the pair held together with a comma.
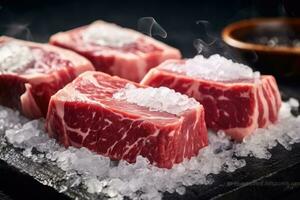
x: 130, y: 61
x: 237, y: 107
x: 30, y: 89
x: 85, y: 114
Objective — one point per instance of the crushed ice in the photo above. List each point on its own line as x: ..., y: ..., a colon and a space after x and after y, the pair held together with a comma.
x: 14, y: 58
x: 107, y: 35
x: 156, y: 99
x: 142, y: 180
x: 216, y: 68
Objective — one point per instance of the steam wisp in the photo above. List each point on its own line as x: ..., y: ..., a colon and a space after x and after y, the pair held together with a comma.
x: 215, y: 45
x: 149, y: 26
x: 18, y: 30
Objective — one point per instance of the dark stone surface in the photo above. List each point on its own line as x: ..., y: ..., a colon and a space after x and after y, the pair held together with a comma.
x: 276, y: 178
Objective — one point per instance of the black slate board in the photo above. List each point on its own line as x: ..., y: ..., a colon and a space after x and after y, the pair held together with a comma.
x: 276, y: 178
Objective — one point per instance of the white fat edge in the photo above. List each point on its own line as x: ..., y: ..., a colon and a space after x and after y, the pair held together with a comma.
x: 28, y: 104
x: 264, y: 103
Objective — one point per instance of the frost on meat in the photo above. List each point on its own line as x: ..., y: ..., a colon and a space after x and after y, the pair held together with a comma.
x: 236, y: 99
x: 30, y: 73
x: 99, y: 112
x: 116, y: 50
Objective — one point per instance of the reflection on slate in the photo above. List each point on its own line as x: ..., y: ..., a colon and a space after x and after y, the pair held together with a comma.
x: 4, y: 196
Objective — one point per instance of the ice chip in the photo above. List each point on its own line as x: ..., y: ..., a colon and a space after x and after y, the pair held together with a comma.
x: 94, y: 185
x: 14, y: 58
x: 107, y: 35
x: 216, y: 68
x: 141, y: 180
x: 293, y: 102
x: 156, y: 99
x: 28, y: 131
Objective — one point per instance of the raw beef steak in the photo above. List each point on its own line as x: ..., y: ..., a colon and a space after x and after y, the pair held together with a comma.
x: 30, y: 73
x: 116, y: 50
x: 121, y: 120
x: 236, y: 99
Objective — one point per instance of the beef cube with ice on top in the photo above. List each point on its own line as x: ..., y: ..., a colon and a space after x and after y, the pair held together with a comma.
x: 116, y: 50
x: 121, y: 120
x: 30, y: 73
x: 236, y: 99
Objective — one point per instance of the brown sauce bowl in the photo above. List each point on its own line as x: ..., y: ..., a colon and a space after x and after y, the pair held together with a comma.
x: 282, y: 60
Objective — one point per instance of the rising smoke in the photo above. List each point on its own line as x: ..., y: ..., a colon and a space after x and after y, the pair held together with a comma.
x: 149, y: 26
x: 16, y: 30
x: 211, y: 43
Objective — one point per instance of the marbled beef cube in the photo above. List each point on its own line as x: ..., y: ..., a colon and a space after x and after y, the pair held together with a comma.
x: 30, y: 73
x: 116, y: 50
x: 121, y: 119
x: 236, y: 99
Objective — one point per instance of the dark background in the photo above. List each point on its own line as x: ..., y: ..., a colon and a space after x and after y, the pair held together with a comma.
x: 37, y: 20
